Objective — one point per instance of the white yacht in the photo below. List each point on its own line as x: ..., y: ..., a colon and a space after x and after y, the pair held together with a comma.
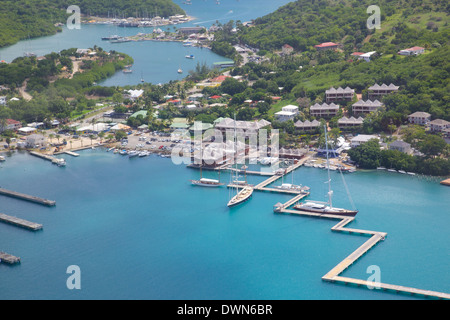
x: 2, y: 159
x: 325, y: 207
x: 204, y: 182
x: 241, y: 196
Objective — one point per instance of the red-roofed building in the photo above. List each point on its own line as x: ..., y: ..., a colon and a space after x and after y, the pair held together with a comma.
x: 412, y: 51
x: 219, y: 79
x: 12, y: 125
x: 215, y: 97
x: 176, y: 102
x: 287, y: 49
x: 326, y: 46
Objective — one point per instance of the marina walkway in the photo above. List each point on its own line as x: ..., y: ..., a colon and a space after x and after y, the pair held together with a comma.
x: 375, y: 237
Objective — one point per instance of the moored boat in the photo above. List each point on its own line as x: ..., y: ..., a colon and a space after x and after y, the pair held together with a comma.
x: 204, y: 182
x: 241, y: 197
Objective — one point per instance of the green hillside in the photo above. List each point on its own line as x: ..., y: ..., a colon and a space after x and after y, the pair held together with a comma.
x: 303, y: 24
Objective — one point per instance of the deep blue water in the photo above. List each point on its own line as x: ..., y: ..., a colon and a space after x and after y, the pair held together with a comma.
x: 138, y: 230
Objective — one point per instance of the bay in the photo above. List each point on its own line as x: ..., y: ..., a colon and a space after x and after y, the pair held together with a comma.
x: 138, y: 229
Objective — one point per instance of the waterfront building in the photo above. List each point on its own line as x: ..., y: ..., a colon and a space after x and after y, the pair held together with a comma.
x: 248, y: 127
x: 11, y: 124
x: 360, y: 139
x: 401, y: 146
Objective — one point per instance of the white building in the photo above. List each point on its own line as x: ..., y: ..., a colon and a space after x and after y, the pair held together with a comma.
x: 134, y: 94
x: 361, y: 138
x: 287, y: 113
x: 2, y: 100
x: 412, y: 51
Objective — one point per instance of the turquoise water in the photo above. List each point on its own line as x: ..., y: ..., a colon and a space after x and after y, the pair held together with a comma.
x: 138, y: 230
x: 155, y: 62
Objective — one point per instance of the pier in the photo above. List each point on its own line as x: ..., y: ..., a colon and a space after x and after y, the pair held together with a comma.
x: 375, y: 237
x: 43, y: 156
x: 8, y: 258
x: 73, y: 154
x: 20, y: 222
x: 26, y: 197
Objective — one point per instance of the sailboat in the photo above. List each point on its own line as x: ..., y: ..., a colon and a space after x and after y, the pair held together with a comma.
x: 244, y: 194
x: 142, y: 77
x: 325, y: 207
x: 204, y: 182
x: 180, y: 70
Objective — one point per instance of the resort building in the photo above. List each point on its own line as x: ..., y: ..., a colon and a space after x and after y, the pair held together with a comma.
x: 287, y: 113
x: 364, y: 107
x: 376, y: 92
x: 307, y: 125
x: 287, y: 49
x: 333, y: 94
x: 324, y: 110
x: 348, y: 123
x: 248, y: 127
x: 401, y: 146
x: 360, y: 139
x: 439, y: 125
x: 412, y: 51
x: 326, y: 46
x: 421, y: 118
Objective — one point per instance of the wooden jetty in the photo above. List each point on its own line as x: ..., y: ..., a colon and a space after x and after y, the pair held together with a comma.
x: 8, y: 258
x: 20, y: 222
x: 26, y: 197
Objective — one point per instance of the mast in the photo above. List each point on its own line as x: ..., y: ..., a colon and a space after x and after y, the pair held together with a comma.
x: 330, y: 192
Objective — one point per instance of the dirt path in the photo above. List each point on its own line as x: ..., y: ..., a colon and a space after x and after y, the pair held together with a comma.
x: 23, y: 93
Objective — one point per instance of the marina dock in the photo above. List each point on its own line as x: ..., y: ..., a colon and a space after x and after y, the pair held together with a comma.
x: 26, y: 197
x: 375, y: 237
x: 20, y: 222
x: 43, y: 156
x: 8, y: 258
x: 73, y: 154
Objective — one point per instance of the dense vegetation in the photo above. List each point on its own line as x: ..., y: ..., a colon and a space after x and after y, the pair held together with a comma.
x: 25, y: 19
x: 55, y: 96
x: 303, y: 24
x: 123, y: 8
x: 370, y: 156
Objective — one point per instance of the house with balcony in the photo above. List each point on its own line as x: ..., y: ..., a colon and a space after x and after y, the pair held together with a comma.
x: 376, y: 92
x: 420, y: 118
x: 324, y: 110
x: 339, y: 94
x: 365, y: 107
